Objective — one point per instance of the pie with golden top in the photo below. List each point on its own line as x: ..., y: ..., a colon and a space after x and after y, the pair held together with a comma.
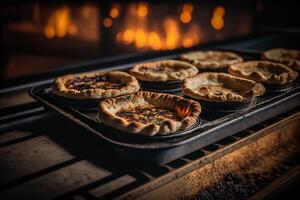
x: 264, y: 72
x: 211, y: 59
x: 98, y: 85
x: 221, y: 87
x: 288, y: 57
x: 149, y: 113
x: 164, y: 70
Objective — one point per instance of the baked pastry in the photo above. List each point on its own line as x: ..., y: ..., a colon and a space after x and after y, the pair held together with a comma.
x: 221, y: 87
x: 164, y: 70
x: 149, y: 113
x: 211, y: 59
x: 95, y: 85
x: 288, y: 57
x: 264, y: 72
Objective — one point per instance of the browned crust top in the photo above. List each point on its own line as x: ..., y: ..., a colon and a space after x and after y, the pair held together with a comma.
x: 288, y: 57
x: 221, y: 87
x: 164, y: 70
x: 264, y: 72
x: 211, y: 59
x: 109, y: 108
x: 124, y: 84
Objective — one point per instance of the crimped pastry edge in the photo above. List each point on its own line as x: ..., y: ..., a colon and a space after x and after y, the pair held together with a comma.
x: 269, y: 55
x: 257, y: 88
x: 211, y: 64
x: 190, y: 70
x: 288, y: 76
x: 59, y: 88
x: 169, y: 126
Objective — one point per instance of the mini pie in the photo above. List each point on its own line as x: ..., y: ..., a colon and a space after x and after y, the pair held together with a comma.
x: 289, y: 57
x: 164, y: 70
x: 221, y: 87
x: 264, y: 72
x: 149, y: 113
x: 95, y: 85
x: 211, y: 59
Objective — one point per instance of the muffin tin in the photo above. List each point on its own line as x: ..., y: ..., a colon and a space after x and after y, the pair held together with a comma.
x: 216, y: 122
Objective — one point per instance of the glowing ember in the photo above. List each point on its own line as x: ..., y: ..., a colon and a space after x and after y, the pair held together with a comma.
x: 217, y: 21
x: 107, y: 22
x: 185, y: 17
x: 187, y: 43
x: 114, y: 13
x: 142, y: 10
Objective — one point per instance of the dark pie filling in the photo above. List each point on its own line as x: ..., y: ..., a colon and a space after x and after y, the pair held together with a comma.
x: 148, y: 115
x: 95, y: 82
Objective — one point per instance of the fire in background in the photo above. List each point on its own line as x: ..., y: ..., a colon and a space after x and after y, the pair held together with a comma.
x: 165, y: 27
x: 143, y: 25
x: 52, y: 35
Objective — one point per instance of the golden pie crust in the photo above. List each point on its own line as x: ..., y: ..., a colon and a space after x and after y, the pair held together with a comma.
x: 98, y: 85
x: 149, y: 113
x: 264, y: 72
x: 211, y: 59
x: 288, y: 57
x: 164, y: 70
x: 221, y: 87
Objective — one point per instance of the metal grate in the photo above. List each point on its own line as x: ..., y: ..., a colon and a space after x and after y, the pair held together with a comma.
x: 85, y: 176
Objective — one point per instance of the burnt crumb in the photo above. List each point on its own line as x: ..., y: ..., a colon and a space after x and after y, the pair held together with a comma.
x: 237, y: 186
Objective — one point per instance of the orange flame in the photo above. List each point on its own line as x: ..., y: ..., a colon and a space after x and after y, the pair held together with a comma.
x: 140, y: 38
x: 144, y: 34
x: 154, y: 41
x: 172, y: 33
x: 60, y: 24
x: 183, y: 111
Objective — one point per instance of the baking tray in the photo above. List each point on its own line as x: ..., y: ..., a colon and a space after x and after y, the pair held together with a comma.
x: 211, y: 126
x: 158, y: 151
